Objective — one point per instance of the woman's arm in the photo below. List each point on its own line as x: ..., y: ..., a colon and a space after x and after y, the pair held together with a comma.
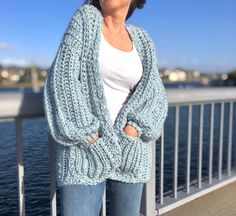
x: 148, y: 119
x: 69, y: 118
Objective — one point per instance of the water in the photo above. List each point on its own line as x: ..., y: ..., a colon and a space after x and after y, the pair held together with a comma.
x: 36, y: 162
x: 189, y: 84
x: 25, y: 90
x: 36, y: 158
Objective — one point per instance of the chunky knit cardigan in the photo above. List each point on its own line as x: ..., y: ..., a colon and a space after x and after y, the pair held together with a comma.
x: 76, y: 108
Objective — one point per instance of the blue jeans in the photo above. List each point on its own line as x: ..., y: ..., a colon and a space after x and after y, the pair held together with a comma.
x: 86, y: 200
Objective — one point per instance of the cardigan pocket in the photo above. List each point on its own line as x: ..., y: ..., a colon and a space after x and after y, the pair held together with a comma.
x: 136, y: 158
x: 89, y: 160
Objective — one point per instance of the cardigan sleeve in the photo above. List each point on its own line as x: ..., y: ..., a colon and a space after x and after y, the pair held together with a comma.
x: 69, y: 119
x: 149, y: 117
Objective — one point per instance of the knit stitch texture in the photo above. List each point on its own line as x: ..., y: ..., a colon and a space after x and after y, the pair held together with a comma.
x: 76, y: 108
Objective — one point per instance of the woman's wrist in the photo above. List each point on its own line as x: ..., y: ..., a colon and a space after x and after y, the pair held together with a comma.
x: 94, y: 139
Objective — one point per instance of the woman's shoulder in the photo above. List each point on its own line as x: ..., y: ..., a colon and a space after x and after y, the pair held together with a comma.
x: 86, y: 10
x: 85, y: 14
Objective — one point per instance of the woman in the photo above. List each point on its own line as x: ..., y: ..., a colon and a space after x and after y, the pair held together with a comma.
x: 105, y: 103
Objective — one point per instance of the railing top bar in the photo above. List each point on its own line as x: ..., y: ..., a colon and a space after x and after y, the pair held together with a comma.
x: 198, y: 102
x: 201, y: 95
x: 20, y: 104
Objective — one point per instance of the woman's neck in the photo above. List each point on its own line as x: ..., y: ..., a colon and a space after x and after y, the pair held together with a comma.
x: 115, y: 24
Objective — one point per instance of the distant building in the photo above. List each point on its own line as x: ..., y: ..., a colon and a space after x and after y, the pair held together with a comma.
x: 177, y: 75
x: 4, y: 74
x: 15, y: 77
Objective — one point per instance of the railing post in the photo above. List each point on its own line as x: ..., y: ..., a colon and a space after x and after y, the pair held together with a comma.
x: 20, y: 163
x: 229, y: 155
x: 148, y: 202
x: 53, y: 199
x: 210, y: 157
x: 220, y: 156
x: 199, y: 167
x: 176, y: 149
x: 161, y: 169
x: 103, y: 208
x: 188, y: 160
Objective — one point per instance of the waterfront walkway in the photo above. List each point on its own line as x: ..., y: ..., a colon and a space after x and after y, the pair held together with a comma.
x: 221, y: 202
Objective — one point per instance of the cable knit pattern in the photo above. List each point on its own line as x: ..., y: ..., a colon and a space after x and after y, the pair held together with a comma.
x: 76, y: 108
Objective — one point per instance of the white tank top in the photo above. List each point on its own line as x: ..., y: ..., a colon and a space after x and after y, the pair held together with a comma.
x: 120, y: 72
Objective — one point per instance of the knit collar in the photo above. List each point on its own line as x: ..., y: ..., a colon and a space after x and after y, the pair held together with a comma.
x: 94, y: 20
x: 95, y: 16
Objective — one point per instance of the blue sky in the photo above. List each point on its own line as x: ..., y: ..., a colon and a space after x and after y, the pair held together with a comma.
x: 193, y: 34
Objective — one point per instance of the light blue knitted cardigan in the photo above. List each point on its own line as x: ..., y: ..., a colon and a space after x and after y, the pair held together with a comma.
x: 76, y: 108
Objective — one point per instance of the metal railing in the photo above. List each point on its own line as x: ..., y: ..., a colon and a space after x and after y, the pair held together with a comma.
x: 190, y: 98
x: 29, y: 105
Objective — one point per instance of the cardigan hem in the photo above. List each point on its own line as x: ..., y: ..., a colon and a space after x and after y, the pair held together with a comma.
x: 122, y: 177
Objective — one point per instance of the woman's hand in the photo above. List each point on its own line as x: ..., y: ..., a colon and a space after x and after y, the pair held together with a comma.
x: 130, y: 130
x: 94, y: 139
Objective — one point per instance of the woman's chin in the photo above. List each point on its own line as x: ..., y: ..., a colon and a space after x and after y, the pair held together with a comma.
x: 111, y: 5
